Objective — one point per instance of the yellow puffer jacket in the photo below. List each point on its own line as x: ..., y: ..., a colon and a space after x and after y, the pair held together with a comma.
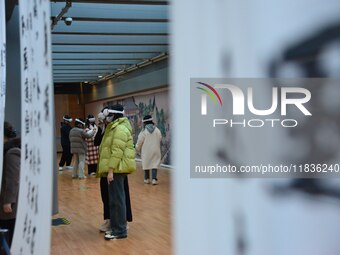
x: 116, y: 149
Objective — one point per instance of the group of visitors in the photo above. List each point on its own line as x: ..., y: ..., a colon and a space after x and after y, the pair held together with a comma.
x: 117, y: 159
x: 109, y: 151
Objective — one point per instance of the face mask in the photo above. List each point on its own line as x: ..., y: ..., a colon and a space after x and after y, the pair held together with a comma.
x: 109, y: 119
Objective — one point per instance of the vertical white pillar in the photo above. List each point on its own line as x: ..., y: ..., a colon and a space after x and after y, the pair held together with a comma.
x: 33, y: 226
x: 2, y: 77
x: 239, y: 39
x: 203, y: 217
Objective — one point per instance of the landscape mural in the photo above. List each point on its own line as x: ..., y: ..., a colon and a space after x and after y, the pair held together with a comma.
x: 156, y: 105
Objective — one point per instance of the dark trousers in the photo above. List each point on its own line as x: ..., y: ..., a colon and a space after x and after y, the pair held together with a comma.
x: 104, y: 191
x: 66, y: 156
x: 153, y: 174
x: 117, y: 205
x: 8, y: 224
x: 91, y: 168
x: 127, y: 200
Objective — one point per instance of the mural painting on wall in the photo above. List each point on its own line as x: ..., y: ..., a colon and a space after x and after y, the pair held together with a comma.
x: 136, y: 107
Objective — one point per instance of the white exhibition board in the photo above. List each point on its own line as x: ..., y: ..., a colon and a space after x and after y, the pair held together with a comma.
x: 33, y: 225
x: 2, y: 77
x: 239, y: 39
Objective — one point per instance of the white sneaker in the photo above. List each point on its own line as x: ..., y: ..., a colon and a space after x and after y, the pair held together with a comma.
x: 69, y: 167
x: 112, y: 237
x: 60, y: 168
x: 82, y: 177
x: 110, y: 230
x: 92, y: 174
x: 154, y: 182
x: 105, y: 227
x: 146, y: 181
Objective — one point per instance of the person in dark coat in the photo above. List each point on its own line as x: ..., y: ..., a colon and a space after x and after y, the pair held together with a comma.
x: 10, y: 180
x: 66, y: 156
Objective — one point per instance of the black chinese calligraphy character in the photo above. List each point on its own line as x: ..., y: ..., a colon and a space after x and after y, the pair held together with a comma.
x: 26, y: 89
x: 46, y: 104
x: 38, y: 155
x: 25, y: 225
x: 33, y: 239
x: 32, y: 55
x: 31, y: 160
x: 36, y: 201
x: 3, y: 55
x: 28, y: 237
x: 35, y: 121
x: 30, y: 22
x: 27, y: 122
x: 26, y: 151
x: 35, y: 9
x: 29, y: 192
x: 23, y: 27
x: 38, y: 87
x: 32, y: 197
x: 46, y: 40
x: 25, y: 59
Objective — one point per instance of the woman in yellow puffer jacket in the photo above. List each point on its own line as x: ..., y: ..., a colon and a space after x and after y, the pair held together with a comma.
x: 116, y: 160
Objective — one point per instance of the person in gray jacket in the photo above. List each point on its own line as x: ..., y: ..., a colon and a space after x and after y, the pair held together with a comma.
x: 78, y: 147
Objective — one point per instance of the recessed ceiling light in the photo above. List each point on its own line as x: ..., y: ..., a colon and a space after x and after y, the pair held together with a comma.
x: 100, y: 76
x: 86, y: 82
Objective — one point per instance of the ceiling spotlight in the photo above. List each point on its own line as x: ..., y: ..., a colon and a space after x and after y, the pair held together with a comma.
x: 86, y: 82
x: 68, y: 21
x: 100, y: 76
